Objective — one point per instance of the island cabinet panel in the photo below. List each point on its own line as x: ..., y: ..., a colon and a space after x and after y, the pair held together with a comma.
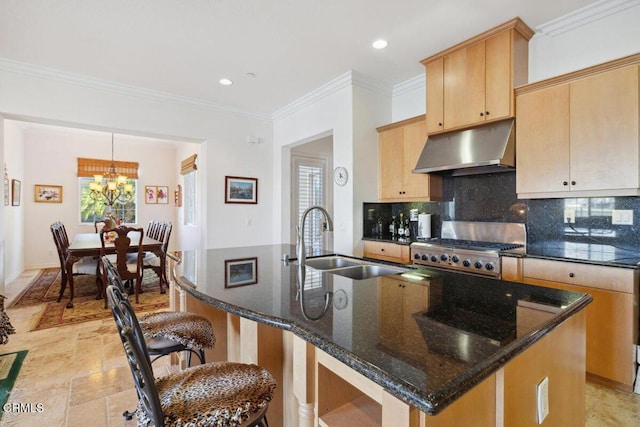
x: 578, y: 134
x: 399, y: 147
x: 559, y: 357
x: 472, y: 83
x: 387, y: 252
x: 612, y: 317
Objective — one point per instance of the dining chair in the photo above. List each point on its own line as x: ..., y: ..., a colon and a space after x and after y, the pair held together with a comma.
x: 225, y: 394
x: 99, y: 224
x: 153, y: 229
x: 85, y: 266
x: 129, y: 265
x: 158, y: 262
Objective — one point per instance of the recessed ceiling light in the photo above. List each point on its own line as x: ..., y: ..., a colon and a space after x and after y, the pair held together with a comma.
x: 225, y: 82
x: 380, y: 44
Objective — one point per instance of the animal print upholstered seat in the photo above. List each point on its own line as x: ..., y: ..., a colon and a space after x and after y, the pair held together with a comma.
x: 192, y: 331
x: 219, y: 394
x: 216, y: 394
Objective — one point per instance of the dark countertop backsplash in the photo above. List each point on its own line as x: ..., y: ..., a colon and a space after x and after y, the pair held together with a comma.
x: 492, y: 198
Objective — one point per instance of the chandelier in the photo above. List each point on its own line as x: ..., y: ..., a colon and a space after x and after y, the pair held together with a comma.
x: 110, y: 188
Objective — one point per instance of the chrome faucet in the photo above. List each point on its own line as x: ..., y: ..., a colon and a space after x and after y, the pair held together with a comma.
x: 300, y: 249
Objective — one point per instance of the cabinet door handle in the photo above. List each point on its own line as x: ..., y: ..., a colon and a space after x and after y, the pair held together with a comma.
x: 481, y: 114
x: 571, y: 274
x: 440, y: 124
x: 486, y: 113
x: 381, y: 249
x: 573, y: 183
x: 565, y: 183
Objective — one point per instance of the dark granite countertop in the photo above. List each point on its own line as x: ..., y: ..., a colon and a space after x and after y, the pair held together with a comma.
x: 427, y: 342
x: 588, y: 253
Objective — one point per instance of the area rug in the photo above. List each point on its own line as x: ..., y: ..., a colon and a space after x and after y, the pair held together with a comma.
x: 45, y: 287
x: 10, y: 364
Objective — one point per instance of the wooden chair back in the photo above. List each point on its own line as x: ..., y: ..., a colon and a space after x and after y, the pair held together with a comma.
x: 129, y: 267
x: 100, y: 224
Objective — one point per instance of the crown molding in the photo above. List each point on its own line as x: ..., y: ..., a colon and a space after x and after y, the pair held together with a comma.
x: 584, y: 16
x: 415, y: 83
x: 350, y: 78
x: 45, y: 73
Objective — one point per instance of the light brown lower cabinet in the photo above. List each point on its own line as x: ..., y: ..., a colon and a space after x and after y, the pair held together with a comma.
x: 385, y: 251
x: 612, y: 317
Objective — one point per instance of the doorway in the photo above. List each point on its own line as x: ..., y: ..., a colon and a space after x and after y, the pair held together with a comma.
x: 311, y: 186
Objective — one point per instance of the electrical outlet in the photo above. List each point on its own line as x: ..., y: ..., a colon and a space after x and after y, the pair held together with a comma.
x: 622, y: 217
x: 569, y: 216
x: 543, y: 399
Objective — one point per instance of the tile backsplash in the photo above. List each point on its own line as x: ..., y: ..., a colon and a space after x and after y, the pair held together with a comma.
x: 492, y: 197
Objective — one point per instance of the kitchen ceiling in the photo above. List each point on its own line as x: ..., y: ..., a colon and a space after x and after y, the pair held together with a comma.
x: 290, y: 46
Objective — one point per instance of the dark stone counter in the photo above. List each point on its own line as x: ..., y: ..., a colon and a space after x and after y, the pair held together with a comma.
x: 588, y: 253
x: 427, y: 336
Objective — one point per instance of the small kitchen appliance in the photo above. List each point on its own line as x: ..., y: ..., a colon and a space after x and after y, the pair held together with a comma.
x: 424, y: 226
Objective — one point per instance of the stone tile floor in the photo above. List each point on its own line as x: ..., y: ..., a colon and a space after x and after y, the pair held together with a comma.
x: 80, y: 376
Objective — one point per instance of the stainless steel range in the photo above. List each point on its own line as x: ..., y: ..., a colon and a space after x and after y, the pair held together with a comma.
x: 472, y: 247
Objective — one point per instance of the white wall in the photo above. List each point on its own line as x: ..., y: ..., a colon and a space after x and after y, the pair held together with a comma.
x: 14, y: 216
x: 52, y: 159
x: 331, y: 115
x: 351, y: 114
x: 61, y: 98
x: 602, y: 40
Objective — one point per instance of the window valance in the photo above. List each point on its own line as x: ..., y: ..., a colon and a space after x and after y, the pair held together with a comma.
x: 90, y: 167
x: 189, y: 164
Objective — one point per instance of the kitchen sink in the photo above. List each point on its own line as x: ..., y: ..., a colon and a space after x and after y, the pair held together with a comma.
x: 366, y: 271
x: 352, y: 268
x: 330, y: 263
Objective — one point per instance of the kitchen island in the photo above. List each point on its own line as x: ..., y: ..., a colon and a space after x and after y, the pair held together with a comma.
x: 425, y: 347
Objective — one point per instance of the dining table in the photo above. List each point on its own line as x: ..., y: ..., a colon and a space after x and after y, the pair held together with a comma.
x: 89, y: 245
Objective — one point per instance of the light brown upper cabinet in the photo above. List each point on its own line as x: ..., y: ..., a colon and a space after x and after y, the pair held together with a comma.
x: 473, y: 82
x: 399, y: 147
x: 577, y: 134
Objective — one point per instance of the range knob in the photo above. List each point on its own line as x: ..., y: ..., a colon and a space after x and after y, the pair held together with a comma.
x: 425, y: 257
x: 434, y: 258
x: 466, y: 263
x: 455, y: 258
x: 444, y: 257
x: 489, y: 266
x: 417, y: 256
x: 478, y: 264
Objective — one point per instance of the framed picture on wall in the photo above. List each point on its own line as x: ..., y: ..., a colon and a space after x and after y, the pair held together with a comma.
x: 150, y: 194
x: 240, y: 272
x: 162, y: 195
x: 48, y: 193
x: 241, y: 190
x: 16, y: 187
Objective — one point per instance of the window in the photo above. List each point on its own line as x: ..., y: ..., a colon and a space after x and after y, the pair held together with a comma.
x: 190, y: 198
x: 188, y: 169
x: 92, y: 210
x: 309, y: 185
x: 592, y: 216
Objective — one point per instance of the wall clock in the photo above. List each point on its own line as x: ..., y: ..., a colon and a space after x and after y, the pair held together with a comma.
x: 340, y: 175
x: 340, y: 299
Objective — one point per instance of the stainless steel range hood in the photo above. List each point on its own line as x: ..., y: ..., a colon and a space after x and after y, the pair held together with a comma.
x: 482, y: 149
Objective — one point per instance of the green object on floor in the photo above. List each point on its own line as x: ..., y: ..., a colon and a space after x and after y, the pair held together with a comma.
x: 10, y: 364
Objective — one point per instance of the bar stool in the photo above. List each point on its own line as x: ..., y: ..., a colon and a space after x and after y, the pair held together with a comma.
x: 219, y: 393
